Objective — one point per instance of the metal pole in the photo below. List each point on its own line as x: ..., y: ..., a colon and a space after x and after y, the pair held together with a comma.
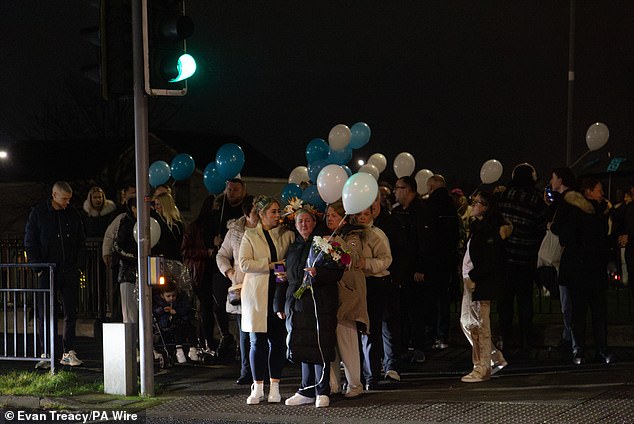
x: 571, y: 83
x: 141, y: 149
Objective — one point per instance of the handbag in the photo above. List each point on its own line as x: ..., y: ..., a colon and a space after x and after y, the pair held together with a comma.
x: 550, y: 251
x: 233, y: 295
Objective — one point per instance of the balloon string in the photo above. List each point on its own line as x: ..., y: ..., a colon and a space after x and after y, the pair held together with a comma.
x: 222, y: 208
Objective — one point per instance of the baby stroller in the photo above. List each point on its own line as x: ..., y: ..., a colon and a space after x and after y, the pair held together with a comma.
x: 172, y: 318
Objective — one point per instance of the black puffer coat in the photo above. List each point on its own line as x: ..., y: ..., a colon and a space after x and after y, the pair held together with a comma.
x: 301, y: 325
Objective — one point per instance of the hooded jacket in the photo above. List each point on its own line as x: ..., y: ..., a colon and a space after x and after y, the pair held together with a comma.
x: 97, y: 220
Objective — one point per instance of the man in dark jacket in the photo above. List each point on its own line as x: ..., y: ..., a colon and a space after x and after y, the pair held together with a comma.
x: 439, y: 260
x: 407, y: 269
x: 54, y: 234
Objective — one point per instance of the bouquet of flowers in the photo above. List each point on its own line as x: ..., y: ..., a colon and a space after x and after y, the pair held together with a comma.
x: 322, y: 253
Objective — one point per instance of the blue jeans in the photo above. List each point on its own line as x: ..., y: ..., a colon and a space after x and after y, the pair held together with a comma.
x: 311, y: 376
x: 268, y: 350
x: 566, y: 311
x: 245, y: 368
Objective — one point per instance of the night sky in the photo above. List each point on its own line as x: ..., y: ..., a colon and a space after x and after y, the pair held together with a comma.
x: 452, y: 82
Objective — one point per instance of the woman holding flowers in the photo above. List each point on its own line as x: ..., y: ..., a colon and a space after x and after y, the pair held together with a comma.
x: 313, y: 267
x: 261, y: 249
x: 352, y: 314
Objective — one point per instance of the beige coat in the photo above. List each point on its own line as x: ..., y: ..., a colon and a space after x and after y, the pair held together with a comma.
x: 227, y: 258
x: 353, y: 304
x: 254, y: 259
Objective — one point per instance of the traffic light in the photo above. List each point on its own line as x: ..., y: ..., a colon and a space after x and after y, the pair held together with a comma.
x: 113, y: 36
x: 167, y: 64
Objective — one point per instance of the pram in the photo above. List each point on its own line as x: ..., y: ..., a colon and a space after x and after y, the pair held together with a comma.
x: 169, y: 329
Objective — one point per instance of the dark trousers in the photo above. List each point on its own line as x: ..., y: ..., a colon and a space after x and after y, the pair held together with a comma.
x: 315, y: 380
x: 518, y: 284
x: 220, y: 285
x: 245, y: 367
x: 582, y: 299
x: 412, y: 324
x: 436, y: 309
x: 385, y: 328
x: 66, y: 284
x: 205, y: 331
x: 268, y: 350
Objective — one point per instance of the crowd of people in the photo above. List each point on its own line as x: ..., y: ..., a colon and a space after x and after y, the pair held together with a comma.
x: 407, y: 258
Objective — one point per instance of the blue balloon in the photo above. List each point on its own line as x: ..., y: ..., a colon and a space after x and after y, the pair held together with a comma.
x: 229, y: 160
x: 182, y: 166
x: 214, y: 182
x: 311, y: 196
x: 314, y: 169
x: 359, y: 135
x: 348, y: 170
x: 339, y: 157
x: 289, y: 191
x: 159, y: 173
x: 316, y: 150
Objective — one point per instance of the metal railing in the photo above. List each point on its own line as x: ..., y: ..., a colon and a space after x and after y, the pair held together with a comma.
x: 27, y: 309
x: 96, y: 280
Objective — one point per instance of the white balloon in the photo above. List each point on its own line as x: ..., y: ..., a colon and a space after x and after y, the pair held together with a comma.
x: 404, y: 164
x: 339, y: 137
x: 369, y: 168
x: 359, y: 192
x: 298, y: 175
x: 330, y: 182
x: 155, y: 232
x: 379, y: 161
x: 597, y: 136
x: 421, y: 180
x: 491, y: 171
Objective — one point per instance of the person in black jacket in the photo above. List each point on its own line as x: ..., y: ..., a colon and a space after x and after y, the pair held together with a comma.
x: 581, y: 223
x: 439, y: 260
x: 409, y: 250
x: 311, y: 320
x: 54, y: 233
x: 483, y: 273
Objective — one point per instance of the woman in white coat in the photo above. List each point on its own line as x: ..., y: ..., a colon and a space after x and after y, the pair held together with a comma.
x: 261, y: 249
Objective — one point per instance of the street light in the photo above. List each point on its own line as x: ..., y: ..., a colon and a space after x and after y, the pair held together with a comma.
x: 4, y: 154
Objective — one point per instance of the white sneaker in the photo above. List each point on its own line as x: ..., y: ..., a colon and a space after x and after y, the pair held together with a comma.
x: 71, y: 359
x: 180, y: 355
x: 44, y: 364
x: 193, y: 354
x: 298, y: 399
x: 322, y: 401
x: 257, y: 394
x: 392, y: 375
x: 274, y: 393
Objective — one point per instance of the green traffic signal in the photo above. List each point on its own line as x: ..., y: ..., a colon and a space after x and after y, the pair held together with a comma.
x: 186, y: 67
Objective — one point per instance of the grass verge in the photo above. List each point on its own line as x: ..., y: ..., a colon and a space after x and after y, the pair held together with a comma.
x: 64, y: 383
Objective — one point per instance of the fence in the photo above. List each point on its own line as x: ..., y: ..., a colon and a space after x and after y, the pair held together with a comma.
x: 27, y: 309
x: 95, y: 285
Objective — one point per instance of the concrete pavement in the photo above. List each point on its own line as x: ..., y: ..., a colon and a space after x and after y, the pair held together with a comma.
x: 543, y: 387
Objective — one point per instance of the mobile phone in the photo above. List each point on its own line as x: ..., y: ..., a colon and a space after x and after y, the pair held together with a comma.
x: 279, y: 268
x: 549, y: 194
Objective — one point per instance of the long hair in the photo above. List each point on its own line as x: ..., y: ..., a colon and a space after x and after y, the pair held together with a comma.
x: 169, y: 211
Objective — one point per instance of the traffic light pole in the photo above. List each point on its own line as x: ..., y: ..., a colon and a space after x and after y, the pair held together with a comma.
x: 141, y: 148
